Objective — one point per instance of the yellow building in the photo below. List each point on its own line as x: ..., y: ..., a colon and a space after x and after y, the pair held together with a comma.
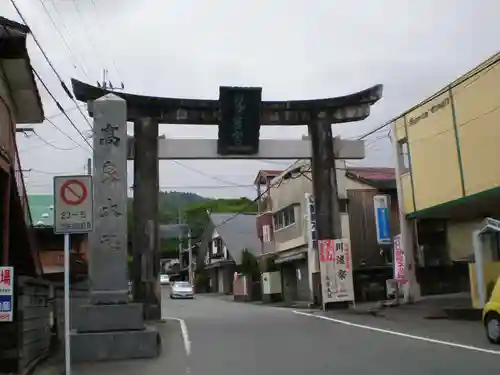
x: 449, y: 161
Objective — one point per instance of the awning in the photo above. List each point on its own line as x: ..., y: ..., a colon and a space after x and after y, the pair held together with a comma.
x: 291, y: 256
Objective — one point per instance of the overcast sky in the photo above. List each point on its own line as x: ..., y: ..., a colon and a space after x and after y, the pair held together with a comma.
x: 294, y: 49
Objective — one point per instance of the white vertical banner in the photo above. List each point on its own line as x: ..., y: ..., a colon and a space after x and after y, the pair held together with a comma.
x: 399, y: 260
x: 336, y: 270
x: 312, y: 243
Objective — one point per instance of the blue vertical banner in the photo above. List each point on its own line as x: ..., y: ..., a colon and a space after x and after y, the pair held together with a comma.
x: 381, y: 204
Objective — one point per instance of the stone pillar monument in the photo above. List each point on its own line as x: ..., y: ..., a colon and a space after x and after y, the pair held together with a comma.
x: 110, y: 327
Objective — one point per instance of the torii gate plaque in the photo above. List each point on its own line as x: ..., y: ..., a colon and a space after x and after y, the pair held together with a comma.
x: 239, y: 112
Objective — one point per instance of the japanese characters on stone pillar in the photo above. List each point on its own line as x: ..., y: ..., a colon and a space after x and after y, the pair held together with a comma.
x: 108, y: 242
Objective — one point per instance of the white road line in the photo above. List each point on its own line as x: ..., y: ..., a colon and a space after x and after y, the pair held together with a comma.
x: 395, y: 333
x: 185, y: 334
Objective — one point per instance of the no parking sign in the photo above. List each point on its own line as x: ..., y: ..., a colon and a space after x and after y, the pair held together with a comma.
x: 73, y: 208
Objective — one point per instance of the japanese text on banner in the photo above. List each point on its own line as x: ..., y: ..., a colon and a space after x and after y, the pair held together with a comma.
x: 399, y: 259
x: 326, y: 250
x: 342, y: 264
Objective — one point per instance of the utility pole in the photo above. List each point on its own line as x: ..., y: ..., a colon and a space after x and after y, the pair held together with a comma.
x: 180, y: 236
x: 412, y: 288
x: 190, y: 267
x: 89, y: 166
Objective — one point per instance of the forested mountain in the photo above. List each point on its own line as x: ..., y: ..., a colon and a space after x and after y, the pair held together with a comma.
x: 193, y: 209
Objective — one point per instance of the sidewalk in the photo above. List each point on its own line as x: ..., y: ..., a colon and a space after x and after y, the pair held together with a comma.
x: 172, y: 358
x: 426, y: 318
x: 284, y: 304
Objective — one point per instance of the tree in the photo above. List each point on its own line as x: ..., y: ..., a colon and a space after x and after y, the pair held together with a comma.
x: 195, y: 208
x: 249, y: 265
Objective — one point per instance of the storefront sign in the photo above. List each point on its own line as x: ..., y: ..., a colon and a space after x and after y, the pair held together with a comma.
x: 399, y: 259
x: 381, y: 204
x: 413, y: 120
x: 6, y: 294
x: 336, y: 270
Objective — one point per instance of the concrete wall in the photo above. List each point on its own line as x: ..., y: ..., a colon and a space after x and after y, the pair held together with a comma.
x: 28, y: 338
x: 453, y: 140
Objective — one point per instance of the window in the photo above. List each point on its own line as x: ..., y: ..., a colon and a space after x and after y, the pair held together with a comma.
x: 266, y: 233
x: 403, y: 157
x: 284, y: 218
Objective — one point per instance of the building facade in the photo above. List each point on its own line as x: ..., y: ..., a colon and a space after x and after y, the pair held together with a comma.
x: 226, y: 237
x: 285, y: 229
x: 447, y: 155
x: 20, y: 103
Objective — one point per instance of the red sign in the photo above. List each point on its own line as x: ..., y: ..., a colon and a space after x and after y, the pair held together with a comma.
x: 5, y: 277
x: 73, y: 192
x: 326, y: 250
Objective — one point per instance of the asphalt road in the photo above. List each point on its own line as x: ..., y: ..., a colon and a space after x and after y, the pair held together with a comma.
x: 226, y: 338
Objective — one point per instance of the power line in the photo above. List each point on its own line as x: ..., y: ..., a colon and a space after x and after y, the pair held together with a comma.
x: 65, y: 88
x: 51, y: 145
x: 64, y: 133
x: 63, y: 85
x: 206, y: 175
x: 49, y: 173
x: 62, y: 37
x: 90, y: 37
x: 102, y: 28
x: 457, y: 82
x: 60, y: 107
x: 277, y: 183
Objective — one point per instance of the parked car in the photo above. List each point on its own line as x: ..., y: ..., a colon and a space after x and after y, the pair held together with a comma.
x: 182, y: 289
x: 164, y: 280
x: 491, y: 315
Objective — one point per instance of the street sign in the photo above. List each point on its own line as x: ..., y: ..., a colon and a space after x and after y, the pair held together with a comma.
x: 73, y: 208
x: 6, y: 294
x: 381, y: 204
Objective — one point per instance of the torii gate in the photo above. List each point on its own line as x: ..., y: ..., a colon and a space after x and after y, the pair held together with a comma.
x: 239, y: 113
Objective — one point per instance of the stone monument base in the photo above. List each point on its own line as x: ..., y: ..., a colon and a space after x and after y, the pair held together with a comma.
x: 115, y: 345
x: 113, y: 332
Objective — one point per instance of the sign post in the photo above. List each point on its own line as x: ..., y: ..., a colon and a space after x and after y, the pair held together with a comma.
x: 73, y: 212
x: 336, y: 271
x: 6, y: 294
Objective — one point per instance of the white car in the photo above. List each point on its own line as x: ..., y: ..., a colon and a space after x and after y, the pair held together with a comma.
x: 182, y: 289
x: 164, y: 280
